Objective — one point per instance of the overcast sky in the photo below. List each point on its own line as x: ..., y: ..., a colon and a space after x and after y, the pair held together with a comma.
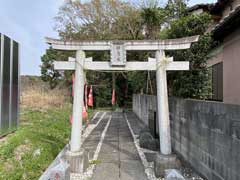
x: 28, y: 22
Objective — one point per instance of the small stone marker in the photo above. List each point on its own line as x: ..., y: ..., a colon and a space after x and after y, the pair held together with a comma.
x: 163, y: 162
x: 173, y: 174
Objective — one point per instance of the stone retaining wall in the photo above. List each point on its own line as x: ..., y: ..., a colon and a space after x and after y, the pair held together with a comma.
x: 205, y: 134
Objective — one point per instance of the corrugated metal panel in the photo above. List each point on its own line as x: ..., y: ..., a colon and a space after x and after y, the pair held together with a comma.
x: 1, y: 61
x: 5, y: 85
x: 15, y: 84
x: 9, y: 84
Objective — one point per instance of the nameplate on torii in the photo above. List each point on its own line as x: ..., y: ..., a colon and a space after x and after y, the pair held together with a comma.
x: 118, y: 54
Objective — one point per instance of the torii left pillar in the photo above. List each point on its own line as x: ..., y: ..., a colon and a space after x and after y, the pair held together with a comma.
x: 76, y: 154
x: 76, y: 132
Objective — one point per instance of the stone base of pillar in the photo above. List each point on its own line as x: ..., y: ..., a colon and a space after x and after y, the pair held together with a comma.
x: 77, y: 161
x: 164, y: 162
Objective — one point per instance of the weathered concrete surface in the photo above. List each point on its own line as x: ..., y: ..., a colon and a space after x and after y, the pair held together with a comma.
x: 205, y: 134
x: 51, y: 169
x: 76, y: 161
x: 118, y: 158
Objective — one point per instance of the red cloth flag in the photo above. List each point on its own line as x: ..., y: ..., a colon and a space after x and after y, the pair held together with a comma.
x: 113, y: 97
x: 73, y: 80
x: 90, y: 97
x: 70, y: 119
x: 84, y: 115
x: 86, y: 98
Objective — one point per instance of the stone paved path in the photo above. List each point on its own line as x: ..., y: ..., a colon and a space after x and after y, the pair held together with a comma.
x: 118, y: 157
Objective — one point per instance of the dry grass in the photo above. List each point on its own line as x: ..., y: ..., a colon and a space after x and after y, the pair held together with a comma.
x: 37, y: 94
x: 36, y: 98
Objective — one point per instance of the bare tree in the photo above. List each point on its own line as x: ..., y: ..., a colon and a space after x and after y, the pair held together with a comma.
x: 98, y: 19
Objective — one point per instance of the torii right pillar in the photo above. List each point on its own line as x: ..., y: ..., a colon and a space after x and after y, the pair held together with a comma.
x: 164, y: 160
x: 162, y: 104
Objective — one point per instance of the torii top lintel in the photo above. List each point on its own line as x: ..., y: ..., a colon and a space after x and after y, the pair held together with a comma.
x: 118, y: 51
x: 136, y: 45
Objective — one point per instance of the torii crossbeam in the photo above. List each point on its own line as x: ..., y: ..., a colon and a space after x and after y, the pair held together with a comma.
x: 118, y: 62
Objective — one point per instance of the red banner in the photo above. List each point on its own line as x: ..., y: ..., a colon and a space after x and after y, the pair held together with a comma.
x: 113, y: 97
x: 84, y: 115
x: 90, y: 97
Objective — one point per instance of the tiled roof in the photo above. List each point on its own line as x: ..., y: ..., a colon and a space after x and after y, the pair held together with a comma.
x: 200, y: 6
x: 229, y: 22
x: 219, y: 6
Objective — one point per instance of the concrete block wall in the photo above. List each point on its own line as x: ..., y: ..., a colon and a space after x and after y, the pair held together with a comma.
x: 205, y: 134
x: 142, y: 104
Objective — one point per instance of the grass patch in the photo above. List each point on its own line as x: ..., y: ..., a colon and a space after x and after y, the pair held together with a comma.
x: 94, y: 162
x: 30, y: 150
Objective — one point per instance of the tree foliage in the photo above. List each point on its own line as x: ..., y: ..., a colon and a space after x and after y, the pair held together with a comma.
x: 48, y: 74
x: 193, y: 83
x: 153, y: 18
x: 98, y: 20
x: 176, y: 9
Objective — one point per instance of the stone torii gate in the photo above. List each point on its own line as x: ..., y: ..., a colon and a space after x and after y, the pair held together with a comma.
x: 161, y: 64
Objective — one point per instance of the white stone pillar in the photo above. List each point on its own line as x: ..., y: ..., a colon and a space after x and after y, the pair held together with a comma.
x: 76, y: 133
x: 162, y: 104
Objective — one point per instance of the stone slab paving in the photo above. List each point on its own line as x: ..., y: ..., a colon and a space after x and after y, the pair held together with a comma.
x: 118, y: 158
x: 136, y: 124
x: 91, y: 142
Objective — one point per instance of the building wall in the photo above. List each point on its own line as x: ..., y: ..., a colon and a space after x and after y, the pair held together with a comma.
x: 216, y: 56
x: 204, y: 134
x: 229, y: 54
x: 141, y: 105
x: 231, y: 68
